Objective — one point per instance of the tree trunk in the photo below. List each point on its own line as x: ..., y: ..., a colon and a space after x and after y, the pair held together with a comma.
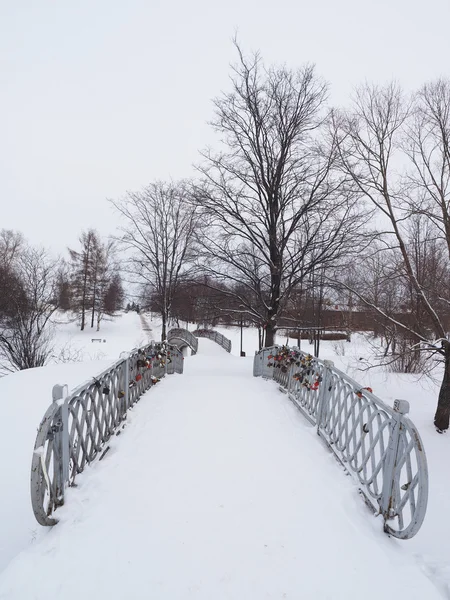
x: 442, y: 416
x: 93, y: 313
x: 94, y: 298
x: 83, y: 307
x: 260, y: 341
x: 270, y: 334
x: 163, y: 329
x: 85, y: 281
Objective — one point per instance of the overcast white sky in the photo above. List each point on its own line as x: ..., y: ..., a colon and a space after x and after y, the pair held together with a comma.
x: 102, y: 96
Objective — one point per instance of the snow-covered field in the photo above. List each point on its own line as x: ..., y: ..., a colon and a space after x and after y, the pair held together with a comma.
x: 116, y: 335
x: 218, y: 489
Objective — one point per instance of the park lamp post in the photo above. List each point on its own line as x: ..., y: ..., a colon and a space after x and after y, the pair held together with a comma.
x: 242, y: 328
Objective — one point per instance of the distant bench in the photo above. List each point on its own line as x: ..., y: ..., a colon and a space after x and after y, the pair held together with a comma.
x: 97, y: 340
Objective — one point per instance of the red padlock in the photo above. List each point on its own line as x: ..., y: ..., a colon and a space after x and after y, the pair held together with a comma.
x: 138, y: 377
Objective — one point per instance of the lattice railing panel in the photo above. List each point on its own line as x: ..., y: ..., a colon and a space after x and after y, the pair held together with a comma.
x: 76, y: 429
x: 215, y: 336
x: 358, y: 428
x: 377, y: 444
x: 301, y: 393
x: 182, y: 337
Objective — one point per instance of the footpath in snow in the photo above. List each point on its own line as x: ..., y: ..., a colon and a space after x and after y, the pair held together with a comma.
x: 217, y: 489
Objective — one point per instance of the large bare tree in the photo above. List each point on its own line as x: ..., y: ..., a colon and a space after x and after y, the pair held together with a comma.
x: 375, y: 140
x: 273, y: 204
x: 159, y: 225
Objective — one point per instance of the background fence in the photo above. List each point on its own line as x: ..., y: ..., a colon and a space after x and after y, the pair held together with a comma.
x: 377, y: 444
x: 215, y: 336
x: 76, y: 427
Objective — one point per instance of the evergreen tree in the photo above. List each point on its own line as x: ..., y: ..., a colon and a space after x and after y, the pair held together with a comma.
x: 83, y: 275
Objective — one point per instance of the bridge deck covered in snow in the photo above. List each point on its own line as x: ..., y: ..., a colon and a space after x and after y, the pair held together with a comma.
x: 217, y: 489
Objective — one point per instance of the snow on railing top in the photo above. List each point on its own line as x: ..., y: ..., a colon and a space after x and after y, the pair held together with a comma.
x: 215, y: 336
x: 76, y: 427
x: 376, y: 443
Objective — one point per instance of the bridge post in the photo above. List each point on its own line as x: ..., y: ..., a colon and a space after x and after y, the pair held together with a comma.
x: 289, y: 381
x: 401, y: 407
x: 61, y: 442
x: 324, y: 392
x: 125, y: 381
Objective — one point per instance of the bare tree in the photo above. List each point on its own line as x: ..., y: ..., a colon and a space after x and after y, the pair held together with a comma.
x: 25, y: 335
x: 159, y: 232
x: 274, y: 208
x: 11, y: 242
x: 427, y: 143
x: 370, y: 140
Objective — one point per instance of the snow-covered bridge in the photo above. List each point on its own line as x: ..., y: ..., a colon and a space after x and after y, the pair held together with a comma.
x: 219, y: 488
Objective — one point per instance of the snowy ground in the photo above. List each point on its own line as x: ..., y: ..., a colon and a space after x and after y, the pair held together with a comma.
x: 218, y: 489
x: 117, y: 334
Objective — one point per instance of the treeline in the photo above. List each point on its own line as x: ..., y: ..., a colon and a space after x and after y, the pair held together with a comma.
x: 34, y: 285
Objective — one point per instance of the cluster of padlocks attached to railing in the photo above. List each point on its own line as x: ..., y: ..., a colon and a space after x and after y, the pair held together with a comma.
x: 76, y: 428
x: 378, y: 445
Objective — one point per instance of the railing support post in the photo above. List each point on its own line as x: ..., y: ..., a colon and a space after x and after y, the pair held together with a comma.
x: 324, y: 392
x: 61, y: 442
x: 289, y: 381
x: 126, y: 383
x: 401, y: 407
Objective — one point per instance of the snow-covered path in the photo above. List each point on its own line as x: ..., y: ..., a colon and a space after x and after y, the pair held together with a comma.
x: 217, y: 489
